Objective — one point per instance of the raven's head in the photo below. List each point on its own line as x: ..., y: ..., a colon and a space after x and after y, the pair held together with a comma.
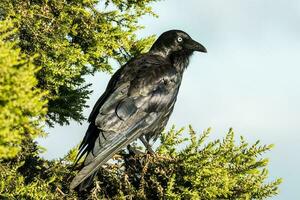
x: 176, y: 42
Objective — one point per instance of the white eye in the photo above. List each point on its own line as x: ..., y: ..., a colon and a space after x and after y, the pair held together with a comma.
x: 179, y: 39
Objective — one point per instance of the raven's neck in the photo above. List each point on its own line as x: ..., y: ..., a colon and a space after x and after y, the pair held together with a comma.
x: 180, y: 60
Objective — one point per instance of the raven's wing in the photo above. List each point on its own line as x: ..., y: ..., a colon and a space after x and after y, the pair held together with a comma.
x: 92, y: 131
x: 111, y: 85
x: 135, y: 105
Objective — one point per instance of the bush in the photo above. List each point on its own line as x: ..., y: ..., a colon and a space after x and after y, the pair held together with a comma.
x: 219, y: 169
x: 22, y: 106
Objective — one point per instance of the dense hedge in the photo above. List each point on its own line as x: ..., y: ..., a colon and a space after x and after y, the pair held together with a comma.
x: 221, y: 169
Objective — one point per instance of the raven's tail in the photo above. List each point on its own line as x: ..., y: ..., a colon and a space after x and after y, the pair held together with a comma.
x: 104, y: 147
x: 95, y: 159
x: 87, y: 182
x: 85, y: 147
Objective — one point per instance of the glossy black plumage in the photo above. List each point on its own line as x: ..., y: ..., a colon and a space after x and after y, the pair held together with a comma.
x: 138, y: 102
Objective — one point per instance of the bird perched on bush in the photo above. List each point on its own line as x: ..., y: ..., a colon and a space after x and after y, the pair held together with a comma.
x: 137, y: 102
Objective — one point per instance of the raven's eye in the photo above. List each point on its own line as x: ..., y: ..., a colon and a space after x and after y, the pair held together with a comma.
x: 179, y: 39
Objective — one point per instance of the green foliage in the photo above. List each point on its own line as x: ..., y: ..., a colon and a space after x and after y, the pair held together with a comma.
x: 218, y: 169
x: 29, y: 177
x: 21, y: 104
x: 72, y: 39
x: 183, y: 168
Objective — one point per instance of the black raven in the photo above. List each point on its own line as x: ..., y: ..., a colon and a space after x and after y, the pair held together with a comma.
x: 137, y: 102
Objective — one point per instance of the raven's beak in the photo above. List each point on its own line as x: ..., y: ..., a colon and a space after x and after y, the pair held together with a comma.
x: 194, y: 46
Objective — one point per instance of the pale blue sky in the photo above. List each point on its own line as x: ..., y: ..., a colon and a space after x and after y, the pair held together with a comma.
x: 248, y: 80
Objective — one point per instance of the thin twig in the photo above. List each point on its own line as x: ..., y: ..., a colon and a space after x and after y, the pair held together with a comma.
x: 59, y: 190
